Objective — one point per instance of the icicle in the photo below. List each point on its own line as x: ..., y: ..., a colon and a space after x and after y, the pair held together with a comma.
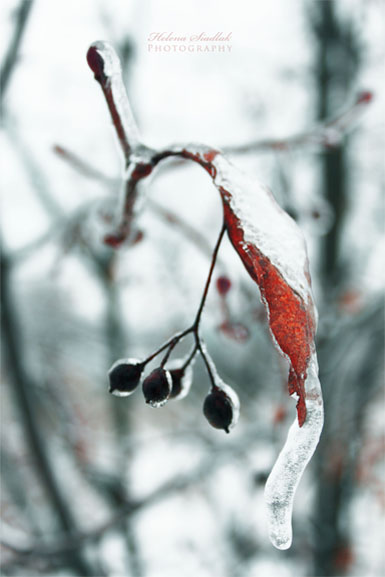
x: 288, y: 469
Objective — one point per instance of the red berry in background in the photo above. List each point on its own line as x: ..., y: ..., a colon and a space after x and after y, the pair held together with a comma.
x: 124, y: 377
x: 218, y: 410
x: 365, y: 96
x: 223, y: 285
x: 236, y: 331
x: 157, y: 387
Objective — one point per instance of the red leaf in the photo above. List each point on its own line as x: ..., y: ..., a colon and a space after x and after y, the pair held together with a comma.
x: 273, y: 252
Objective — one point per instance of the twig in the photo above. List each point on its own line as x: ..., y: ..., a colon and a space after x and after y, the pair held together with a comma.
x: 36, y: 176
x: 327, y: 134
x: 12, y: 54
x: 194, y: 328
x: 83, y: 167
x: 105, y: 64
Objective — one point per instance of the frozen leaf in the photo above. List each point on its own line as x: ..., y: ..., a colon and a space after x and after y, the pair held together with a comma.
x: 273, y: 252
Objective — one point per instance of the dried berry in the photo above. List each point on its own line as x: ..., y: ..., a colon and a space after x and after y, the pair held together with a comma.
x: 124, y: 376
x: 157, y: 387
x: 177, y: 377
x: 181, y: 379
x: 219, y: 410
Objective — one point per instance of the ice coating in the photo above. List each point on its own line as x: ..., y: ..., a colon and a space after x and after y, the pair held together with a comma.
x: 266, y: 225
x: 297, y: 451
x: 129, y: 361
x: 105, y: 64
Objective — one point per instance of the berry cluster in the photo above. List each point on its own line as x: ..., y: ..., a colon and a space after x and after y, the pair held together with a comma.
x: 221, y: 406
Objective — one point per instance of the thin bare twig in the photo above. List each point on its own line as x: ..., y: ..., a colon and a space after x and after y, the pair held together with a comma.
x: 12, y: 54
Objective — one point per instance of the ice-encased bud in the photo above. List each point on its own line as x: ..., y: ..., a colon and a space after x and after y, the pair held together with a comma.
x: 157, y: 387
x: 218, y: 409
x: 103, y: 61
x: 124, y: 376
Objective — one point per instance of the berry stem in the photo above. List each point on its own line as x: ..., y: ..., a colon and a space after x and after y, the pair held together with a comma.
x: 201, y: 347
x: 171, y: 342
x: 196, y: 323
x: 170, y: 349
x: 190, y: 357
x: 194, y: 328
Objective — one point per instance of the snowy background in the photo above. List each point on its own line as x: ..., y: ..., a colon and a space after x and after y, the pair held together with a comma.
x: 200, y: 492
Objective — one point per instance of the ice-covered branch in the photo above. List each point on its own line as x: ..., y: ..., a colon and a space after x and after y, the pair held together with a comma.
x: 105, y: 64
x: 326, y: 134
